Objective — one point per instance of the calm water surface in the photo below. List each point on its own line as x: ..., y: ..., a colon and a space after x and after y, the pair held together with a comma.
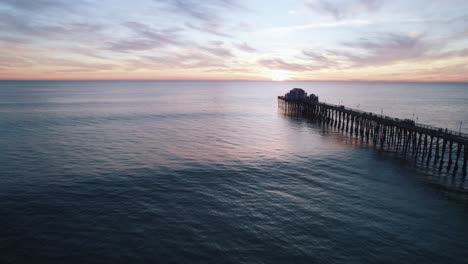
x: 210, y: 172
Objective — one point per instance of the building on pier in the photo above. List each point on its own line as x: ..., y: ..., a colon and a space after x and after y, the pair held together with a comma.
x: 300, y: 94
x: 296, y: 94
x: 313, y: 98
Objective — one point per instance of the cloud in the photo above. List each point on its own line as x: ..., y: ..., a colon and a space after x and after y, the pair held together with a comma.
x: 40, y: 5
x: 212, y: 54
x: 146, y: 38
x: 216, y: 50
x: 13, y: 61
x: 86, y: 68
x: 345, y: 8
x: 312, y: 61
x: 280, y: 64
x: 201, y: 10
x: 61, y: 64
x: 87, y: 51
x: 231, y: 70
x: 343, y: 23
x: 181, y: 60
x: 17, y: 26
x: 386, y: 49
x: 13, y: 40
x: 246, y: 48
x: 212, y: 28
x: 381, y: 49
x: 372, y: 5
x: 205, y: 16
x: 320, y: 59
x: 295, y: 12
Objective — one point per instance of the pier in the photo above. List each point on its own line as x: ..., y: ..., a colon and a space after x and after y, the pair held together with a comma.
x: 442, y: 149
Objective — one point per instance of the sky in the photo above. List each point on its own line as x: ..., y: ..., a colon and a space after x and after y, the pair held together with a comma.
x: 321, y: 40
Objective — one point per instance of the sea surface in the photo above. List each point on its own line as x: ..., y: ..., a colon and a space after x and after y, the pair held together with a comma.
x: 212, y: 172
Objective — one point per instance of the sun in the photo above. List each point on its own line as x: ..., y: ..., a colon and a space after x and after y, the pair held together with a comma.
x: 279, y: 76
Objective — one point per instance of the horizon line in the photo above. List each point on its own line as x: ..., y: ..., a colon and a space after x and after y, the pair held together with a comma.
x: 237, y: 80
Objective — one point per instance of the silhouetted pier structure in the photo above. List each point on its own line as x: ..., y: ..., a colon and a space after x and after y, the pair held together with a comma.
x: 445, y: 149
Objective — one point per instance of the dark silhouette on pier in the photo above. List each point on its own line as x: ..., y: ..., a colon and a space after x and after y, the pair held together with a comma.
x: 444, y: 148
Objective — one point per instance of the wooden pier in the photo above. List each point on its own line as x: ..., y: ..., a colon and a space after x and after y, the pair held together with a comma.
x: 441, y: 148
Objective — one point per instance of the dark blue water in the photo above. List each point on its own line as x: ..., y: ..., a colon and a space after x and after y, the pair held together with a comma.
x: 210, y: 172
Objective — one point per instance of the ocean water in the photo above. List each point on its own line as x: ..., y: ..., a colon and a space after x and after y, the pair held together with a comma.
x: 211, y: 172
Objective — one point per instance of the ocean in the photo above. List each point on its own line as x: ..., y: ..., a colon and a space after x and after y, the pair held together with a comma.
x: 212, y: 172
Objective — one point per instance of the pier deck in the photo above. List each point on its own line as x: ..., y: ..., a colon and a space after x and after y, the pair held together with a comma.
x: 446, y: 149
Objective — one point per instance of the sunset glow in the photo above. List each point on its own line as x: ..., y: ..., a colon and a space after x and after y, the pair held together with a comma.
x: 279, y: 76
x: 366, y: 40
